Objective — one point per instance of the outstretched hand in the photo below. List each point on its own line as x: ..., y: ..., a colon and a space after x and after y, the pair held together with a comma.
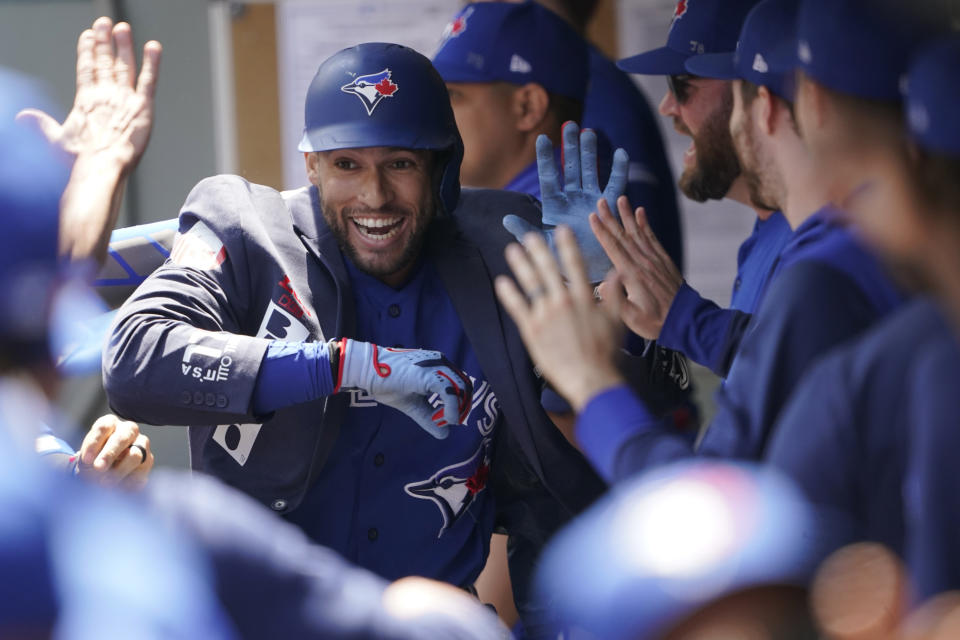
x: 110, y: 114
x: 572, y: 202
x: 572, y: 340
x: 645, y: 271
x: 105, y: 133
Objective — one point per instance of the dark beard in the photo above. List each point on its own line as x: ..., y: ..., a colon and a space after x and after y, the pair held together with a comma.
x: 717, y: 165
x: 377, y: 269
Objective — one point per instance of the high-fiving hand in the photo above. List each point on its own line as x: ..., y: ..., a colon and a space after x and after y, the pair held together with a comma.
x: 110, y: 114
x: 406, y: 379
x: 105, y: 133
x: 644, y: 269
x: 572, y: 340
x: 572, y: 202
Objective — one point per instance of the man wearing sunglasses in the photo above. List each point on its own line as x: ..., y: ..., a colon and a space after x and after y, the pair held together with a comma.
x: 677, y: 316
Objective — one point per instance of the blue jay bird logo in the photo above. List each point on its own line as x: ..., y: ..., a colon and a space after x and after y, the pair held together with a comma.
x: 372, y: 89
x: 454, y: 487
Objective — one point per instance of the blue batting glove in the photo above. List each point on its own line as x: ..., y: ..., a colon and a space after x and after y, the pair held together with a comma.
x: 406, y: 379
x: 572, y: 203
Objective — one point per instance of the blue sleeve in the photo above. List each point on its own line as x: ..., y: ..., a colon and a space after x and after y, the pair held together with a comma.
x: 808, y: 310
x: 930, y: 490
x: 620, y: 437
x: 816, y: 444
x: 703, y: 331
x: 291, y: 373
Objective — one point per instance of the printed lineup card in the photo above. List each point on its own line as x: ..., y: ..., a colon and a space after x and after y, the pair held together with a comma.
x: 309, y: 32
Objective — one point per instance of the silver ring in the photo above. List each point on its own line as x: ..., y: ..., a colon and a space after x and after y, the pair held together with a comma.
x: 536, y: 293
x: 143, y: 452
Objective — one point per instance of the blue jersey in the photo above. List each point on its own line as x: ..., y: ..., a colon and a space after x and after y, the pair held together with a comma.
x: 825, y: 290
x: 930, y: 491
x: 710, y: 335
x: 621, y: 115
x: 407, y: 503
x: 844, y: 436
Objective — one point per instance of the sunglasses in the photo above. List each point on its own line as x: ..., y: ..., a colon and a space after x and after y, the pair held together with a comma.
x: 680, y: 86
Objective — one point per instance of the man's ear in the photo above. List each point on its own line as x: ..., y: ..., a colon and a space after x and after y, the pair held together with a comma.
x: 312, y: 161
x: 765, y: 114
x: 531, y: 103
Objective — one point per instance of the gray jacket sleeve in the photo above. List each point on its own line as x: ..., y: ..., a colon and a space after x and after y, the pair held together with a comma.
x: 175, y: 353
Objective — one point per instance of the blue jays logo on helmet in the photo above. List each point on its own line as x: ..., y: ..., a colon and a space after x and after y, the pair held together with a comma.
x: 454, y: 487
x: 372, y: 89
x: 455, y: 27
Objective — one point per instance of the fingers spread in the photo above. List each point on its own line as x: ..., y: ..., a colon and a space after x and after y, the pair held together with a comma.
x: 103, y: 49
x: 512, y: 300
x: 86, y: 66
x: 147, y: 81
x: 547, y: 169
x: 42, y: 123
x: 571, y: 156
x: 522, y: 267
x: 617, y: 183
x: 124, y: 64
x: 588, y: 161
x: 547, y: 269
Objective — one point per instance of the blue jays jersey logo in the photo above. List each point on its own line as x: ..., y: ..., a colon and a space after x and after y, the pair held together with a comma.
x: 454, y: 487
x: 371, y: 89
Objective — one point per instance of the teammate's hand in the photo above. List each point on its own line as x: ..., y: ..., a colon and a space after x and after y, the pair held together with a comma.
x: 572, y: 203
x: 110, y: 115
x: 115, y: 452
x: 105, y: 134
x: 407, y: 380
x: 645, y: 270
x: 571, y: 340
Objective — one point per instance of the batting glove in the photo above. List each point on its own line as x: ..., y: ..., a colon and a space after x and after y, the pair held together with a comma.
x: 406, y: 379
x: 572, y: 203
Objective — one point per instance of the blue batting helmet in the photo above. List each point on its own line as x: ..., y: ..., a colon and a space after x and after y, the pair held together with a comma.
x: 384, y: 95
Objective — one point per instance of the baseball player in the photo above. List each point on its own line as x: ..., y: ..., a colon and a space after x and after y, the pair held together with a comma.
x: 826, y: 289
x: 300, y: 334
x: 101, y: 156
x: 219, y: 565
x: 673, y: 313
x: 869, y: 435
x: 537, y: 74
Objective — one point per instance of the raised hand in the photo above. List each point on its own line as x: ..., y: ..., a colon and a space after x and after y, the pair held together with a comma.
x: 572, y: 340
x: 106, y: 133
x: 645, y: 271
x: 110, y: 115
x: 406, y: 379
x: 572, y: 202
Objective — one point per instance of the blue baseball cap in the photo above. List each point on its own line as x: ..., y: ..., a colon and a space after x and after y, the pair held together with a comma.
x: 658, y: 548
x: 698, y: 27
x: 860, y: 47
x: 768, y: 26
x: 932, y: 96
x: 515, y: 43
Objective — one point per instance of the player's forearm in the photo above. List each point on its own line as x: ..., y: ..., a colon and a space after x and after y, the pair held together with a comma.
x: 295, y: 372
x: 90, y: 205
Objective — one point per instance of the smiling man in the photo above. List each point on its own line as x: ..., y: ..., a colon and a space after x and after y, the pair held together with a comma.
x: 675, y: 314
x: 302, y: 335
